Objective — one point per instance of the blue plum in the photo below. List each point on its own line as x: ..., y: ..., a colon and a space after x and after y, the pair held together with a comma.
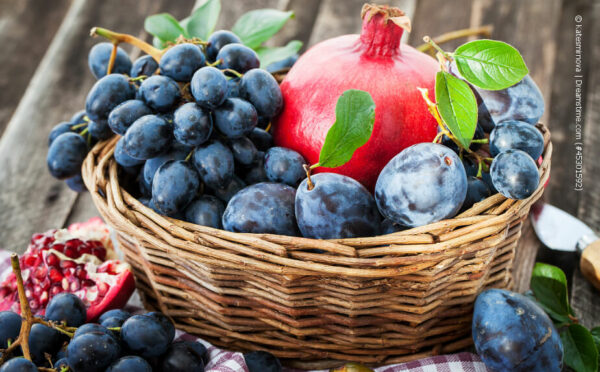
x: 262, y: 139
x: 235, y: 118
x: 78, y: 117
x: 477, y: 190
x: 99, y: 129
x: 512, y: 333
x: 153, y: 164
x: 226, y: 193
x: 92, y: 327
x: 65, y: 155
x: 100, y: 55
x: 284, y: 165
x: 43, y: 340
x: 165, y: 322
x: 206, y: 211
x: 214, y: 162
x: 143, y: 66
x: 181, y: 61
x: 76, y: 183
x: 261, y: 89
x: 244, y: 151
x: 424, y: 183
x: 148, y: 137
x: 108, y: 92
x: 123, y: 158
x: 336, y: 207
x: 262, y: 208
x: 122, y: 116
x: 238, y: 57
x: 192, y: 125
x: 218, y: 40
x: 256, y: 173
x: 209, y: 87
x: 519, y: 135
x: 389, y: 227
x: 160, y: 93
x: 174, y: 186
x: 514, y: 174
x: 58, y: 129
x: 115, y: 313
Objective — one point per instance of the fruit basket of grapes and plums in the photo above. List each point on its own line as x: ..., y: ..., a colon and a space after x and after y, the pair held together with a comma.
x: 352, y: 212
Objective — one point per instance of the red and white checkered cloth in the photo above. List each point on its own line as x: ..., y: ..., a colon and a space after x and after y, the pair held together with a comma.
x: 228, y: 361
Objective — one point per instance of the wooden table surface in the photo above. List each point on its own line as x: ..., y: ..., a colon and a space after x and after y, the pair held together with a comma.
x: 44, y: 79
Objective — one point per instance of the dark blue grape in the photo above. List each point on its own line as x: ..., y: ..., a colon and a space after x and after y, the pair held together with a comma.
x: 116, y: 313
x: 18, y: 365
x: 218, y: 40
x: 514, y: 174
x: 181, y: 61
x: 113, y: 322
x: 424, y: 183
x: 174, y: 186
x: 122, y: 158
x: 10, y: 326
x: 122, y: 116
x: 233, y: 187
x: 261, y: 89
x: 61, y: 364
x: 390, y: 227
x: 106, y: 94
x: 144, y: 336
x: 471, y: 166
x: 99, y: 129
x: 518, y: 135
x: 65, y: 155
x: 92, y: 352
x: 160, y: 93
x: 148, y: 137
x: 206, y: 211
x: 76, y: 183
x: 192, y: 125
x: 284, y: 165
x: 233, y: 87
x: 244, y: 151
x: 235, y: 118
x: 477, y: 190
x: 479, y: 134
x: 336, y: 207
x: 262, y: 361
x: 262, y: 139
x: 143, y: 66
x: 100, y: 55
x: 181, y: 357
x: 209, y: 87
x: 262, y: 208
x: 237, y: 57
x: 282, y: 65
x: 512, y: 333
x: 214, y: 162
x: 153, y: 164
x: 165, y: 322
x: 90, y: 328
x: 43, y: 340
x: 487, y: 179
x: 130, y: 364
x: 256, y: 173
x: 64, y: 127
x: 78, y: 117
x: 66, y: 307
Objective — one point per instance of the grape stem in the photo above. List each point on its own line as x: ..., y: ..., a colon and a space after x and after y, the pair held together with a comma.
x: 116, y: 38
x: 234, y: 72
x: 79, y: 125
x: 111, y: 60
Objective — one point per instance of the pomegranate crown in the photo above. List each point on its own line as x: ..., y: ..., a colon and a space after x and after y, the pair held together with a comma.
x: 393, y: 14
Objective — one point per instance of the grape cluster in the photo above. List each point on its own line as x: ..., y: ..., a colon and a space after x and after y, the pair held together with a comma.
x: 119, y: 342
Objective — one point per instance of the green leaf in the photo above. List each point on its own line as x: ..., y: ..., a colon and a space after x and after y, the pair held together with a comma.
x: 164, y: 27
x: 490, y: 64
x: 354, y: 118
x: 257, y: 26
x: 457, y: 106
x: 596, y: 336
x: 203, y: 20
x: 549, y: 285
x: 268, y: 55
x: 158, y: 43
x: 581, y: 353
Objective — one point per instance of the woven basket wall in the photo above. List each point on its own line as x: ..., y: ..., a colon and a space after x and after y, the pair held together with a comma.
x: 373, y: 300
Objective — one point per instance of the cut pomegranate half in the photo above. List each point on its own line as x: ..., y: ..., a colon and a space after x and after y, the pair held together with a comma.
x: 71, y: 261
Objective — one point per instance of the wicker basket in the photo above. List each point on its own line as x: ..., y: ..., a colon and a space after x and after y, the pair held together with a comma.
x: 374, y: 300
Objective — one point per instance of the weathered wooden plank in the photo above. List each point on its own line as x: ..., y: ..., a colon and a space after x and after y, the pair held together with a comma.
x: 26, y: 29
x: 231, y: 10
x: 435, y: 17
x: 30, y: 199
x: 585, y: 299
x: 301, y: 27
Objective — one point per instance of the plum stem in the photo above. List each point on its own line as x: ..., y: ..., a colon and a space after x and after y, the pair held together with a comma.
x: 111, y: 60
x: 117, y: 38
x: 307, y: 169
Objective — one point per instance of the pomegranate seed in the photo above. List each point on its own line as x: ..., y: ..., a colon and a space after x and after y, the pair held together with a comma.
x: 45, y: 284
x: 56, y: 289
x: 36, y: 236
x: 102, y: 289
x: 80, y: 272
x: 59, y: 247
x: 40, y: 273
x: 67, y: 264
x: 99, y: 252
x: 55, y: 276
x: 70, y: 252
x: 34, y: 304
x: 29, y: 260
x: 44, y: 298
x: 52, y: 260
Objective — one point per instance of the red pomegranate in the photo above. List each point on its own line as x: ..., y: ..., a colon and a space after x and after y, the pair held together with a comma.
x: 74, y: 261
x: 373, y: 61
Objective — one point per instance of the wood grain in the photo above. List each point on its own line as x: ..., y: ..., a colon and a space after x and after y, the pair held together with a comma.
x: 26, y: 29
x: 432, y: 19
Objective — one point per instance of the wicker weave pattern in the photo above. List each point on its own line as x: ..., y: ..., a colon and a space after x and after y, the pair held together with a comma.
x: 375, y: 300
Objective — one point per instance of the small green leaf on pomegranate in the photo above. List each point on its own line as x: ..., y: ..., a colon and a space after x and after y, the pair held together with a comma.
x: 580, y: 350
x: 354, y: 118
x: 457, y: 106
x: 164, y: 27
x: 490, y: 64
x: 549, y: 286
x: 257, y: 26
x: 203, y: 19
x: 268, y: 55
